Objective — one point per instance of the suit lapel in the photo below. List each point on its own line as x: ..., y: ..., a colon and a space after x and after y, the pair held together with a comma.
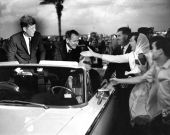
x: 23, y: 43
x: 33, y: 43
x: 63, y: 51
x: 128, y: 50
x: 118, y: 51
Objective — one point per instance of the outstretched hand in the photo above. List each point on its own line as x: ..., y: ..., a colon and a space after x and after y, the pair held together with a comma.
x: 104, y: 83
x: 89, y: 53
x: 114, y: 81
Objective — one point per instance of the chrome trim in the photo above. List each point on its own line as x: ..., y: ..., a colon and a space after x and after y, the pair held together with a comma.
x: 99, y: 115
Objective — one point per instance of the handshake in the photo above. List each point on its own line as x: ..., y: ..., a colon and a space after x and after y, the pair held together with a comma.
x: 107, y: 86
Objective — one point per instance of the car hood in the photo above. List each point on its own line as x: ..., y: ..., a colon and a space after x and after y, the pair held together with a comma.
x: 16, y: 120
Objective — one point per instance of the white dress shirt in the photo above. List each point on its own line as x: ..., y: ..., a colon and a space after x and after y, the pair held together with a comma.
x: 125, y: 48
x: 68, y: 48
x: 27, y: 40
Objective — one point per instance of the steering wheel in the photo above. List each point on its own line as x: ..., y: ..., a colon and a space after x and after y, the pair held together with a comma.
x: 10, y: 86
x: 59, y: 88
x: 9, y: 91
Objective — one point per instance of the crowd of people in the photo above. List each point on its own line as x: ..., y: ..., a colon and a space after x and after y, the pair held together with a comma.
x: 138, y: 68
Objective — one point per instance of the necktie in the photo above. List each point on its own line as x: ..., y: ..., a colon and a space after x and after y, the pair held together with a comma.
x: 29, y: 47
x: 122, y: 50
x: 69, y: 51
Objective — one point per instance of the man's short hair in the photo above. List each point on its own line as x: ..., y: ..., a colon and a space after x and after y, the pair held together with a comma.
x: 125, y: 30
x: 162, y: 43
x: 156, y: 38
x: 26, y: 21
x: 70, y: 32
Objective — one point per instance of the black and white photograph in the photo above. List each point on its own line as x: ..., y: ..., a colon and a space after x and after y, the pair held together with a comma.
x: 85, y: 67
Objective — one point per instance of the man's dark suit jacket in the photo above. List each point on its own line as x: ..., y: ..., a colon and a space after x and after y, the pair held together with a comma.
x: 17, y: 49
x: 119, y: 69
x: 61, y: 54
x: 121, y: 94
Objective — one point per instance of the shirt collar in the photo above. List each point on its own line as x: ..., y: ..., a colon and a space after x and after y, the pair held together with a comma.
x: 167, y: 64
x: 125, y: 48
x: 26, y: 37
x: 68, y: 48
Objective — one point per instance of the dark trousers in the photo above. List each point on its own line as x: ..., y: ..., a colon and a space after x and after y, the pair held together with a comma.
x: 140, y: 126
x: 159, y: 127
x: 122, y: 124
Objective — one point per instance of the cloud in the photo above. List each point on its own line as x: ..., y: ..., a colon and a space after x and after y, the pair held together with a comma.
x: 2, y: 7
x: 14, y: 9
x: 102, y: 16
x: 85, y: 4
x: 107, y: 16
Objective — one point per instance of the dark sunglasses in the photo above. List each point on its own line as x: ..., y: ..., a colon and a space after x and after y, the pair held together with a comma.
x: 141, y: 59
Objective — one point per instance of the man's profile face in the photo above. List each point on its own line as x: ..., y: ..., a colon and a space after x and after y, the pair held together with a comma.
x: 30, y: 30
x: 73, y: 41
x: 155, y: 51
x: 121, y: 38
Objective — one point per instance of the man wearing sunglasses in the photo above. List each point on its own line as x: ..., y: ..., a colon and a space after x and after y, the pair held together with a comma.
x: 26, y: 46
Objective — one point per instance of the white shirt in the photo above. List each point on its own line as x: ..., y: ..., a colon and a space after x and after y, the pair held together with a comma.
x: 164, y: 86
x: 125, y: 48
x: 68, y: 48
x: 159, y: 93
x: 27, y: 42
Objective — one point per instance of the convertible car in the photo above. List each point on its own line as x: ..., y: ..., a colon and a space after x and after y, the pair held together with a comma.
x: 52, y: 98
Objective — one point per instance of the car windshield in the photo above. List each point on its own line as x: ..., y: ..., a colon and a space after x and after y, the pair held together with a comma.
x: 55, y: 86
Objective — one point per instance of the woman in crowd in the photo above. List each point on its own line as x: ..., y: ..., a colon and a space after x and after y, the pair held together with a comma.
x: 140, y: 46
x: 139, y: 60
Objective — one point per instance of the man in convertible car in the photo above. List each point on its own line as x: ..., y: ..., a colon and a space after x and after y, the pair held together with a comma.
x: 26, y: 45
x: 74, y: 85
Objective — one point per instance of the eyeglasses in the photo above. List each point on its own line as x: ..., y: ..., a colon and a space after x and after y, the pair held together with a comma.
x: 141, y: 59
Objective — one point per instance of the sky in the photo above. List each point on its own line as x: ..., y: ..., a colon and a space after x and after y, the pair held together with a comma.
x: 85, y: 16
